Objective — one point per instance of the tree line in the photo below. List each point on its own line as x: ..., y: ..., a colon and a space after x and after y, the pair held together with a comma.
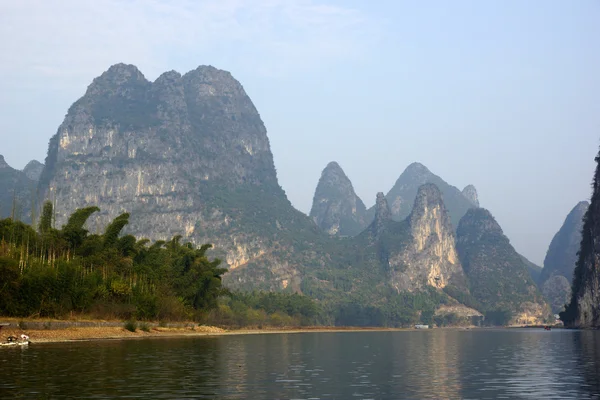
x: 49, y: 272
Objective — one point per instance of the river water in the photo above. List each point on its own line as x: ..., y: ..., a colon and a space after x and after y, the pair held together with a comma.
x: 432, y: 364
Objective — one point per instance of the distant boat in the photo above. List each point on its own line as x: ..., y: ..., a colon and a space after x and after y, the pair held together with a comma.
x: 12, y: 341
x: 419, y: 326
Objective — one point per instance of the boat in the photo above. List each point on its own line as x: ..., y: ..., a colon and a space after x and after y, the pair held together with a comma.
x: 13, y: 341
x: 14, y: 344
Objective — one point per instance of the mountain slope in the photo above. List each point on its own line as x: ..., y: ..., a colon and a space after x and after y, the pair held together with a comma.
x: 336, y: 208
x: 402, y: 195
x: 584, y: 308
x: 497, y: 274
x: 185, y: 155
x: 16, y: 192
x: 561, y: 258
x: 33, y: 170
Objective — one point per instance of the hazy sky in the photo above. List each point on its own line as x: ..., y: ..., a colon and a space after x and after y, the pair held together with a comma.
x: 501, y: 94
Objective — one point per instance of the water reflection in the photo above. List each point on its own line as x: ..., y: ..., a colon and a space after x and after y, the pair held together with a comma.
x: 440, y: 364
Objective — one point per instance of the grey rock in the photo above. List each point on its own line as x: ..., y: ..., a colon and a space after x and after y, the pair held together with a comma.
x: 498, y: 275
x: 561, y: 258
x: 336, y: 208
x: 471, y: 194
x: 428, y: 255
x: 33, y: 170
x: 402, y: 195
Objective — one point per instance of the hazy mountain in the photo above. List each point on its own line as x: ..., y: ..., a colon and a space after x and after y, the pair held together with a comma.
x: 471, y: 194
x: 559, y: 264
x: 402, y: 195
x: 336, y: 208
x: 33, y: 170
x: 189, y: 155
x: 497, y: 274
x: 16, y: 192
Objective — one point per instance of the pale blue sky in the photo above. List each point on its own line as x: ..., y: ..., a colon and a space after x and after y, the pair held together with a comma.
x: 501, y: 94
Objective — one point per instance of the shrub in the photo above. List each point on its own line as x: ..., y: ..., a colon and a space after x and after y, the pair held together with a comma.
x: 130, y: 325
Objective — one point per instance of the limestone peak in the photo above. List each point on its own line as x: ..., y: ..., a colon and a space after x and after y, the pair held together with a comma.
x: 470, y: 192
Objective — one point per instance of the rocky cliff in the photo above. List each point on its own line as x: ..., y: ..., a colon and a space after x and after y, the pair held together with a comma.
x: 584, y: 308
x: 188, y: 155
x: 471, y: 194
x: 402, y: 195
x: 430, y: 258
x: 336, y: 208
x: 33, y: 170
x: 497, y: 274
x: 185, y: 155
x: 561, y: 258
x: 16, y: 192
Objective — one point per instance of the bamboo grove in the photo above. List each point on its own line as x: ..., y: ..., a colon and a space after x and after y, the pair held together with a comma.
x: 49, y: 272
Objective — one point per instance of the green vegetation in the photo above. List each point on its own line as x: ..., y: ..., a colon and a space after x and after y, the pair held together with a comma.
x: 258, y: 309
x: 498, y: 276
x: 51, y: 272
x: 54, y: 273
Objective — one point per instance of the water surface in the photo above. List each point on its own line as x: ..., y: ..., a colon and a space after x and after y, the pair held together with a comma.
x: 433, y: 364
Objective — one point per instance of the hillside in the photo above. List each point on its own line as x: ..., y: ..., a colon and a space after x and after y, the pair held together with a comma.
x: 559, y: 264
x: 498, y: 276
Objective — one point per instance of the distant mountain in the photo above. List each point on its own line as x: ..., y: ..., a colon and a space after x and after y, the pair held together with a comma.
x: 16, y: 192
x: 189, y: 155
x: 184, y: 155
x: 471, y: 194
x: 391, y: 263
x: 584, y: 308
x: 402, y: 195
x: 33, y: 170
x: 336, y: 208
x: 497, y: 274
x: 559, y: 264
x: 534, y: 270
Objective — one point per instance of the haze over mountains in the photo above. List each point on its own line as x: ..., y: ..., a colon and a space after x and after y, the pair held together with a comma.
x: 189, y: 155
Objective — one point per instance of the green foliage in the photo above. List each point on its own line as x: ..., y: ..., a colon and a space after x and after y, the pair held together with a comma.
x: 56, y: 272
x: 498, y: 317
x: 266, y: 309
x: 46, y: 218
x: 130, y: 325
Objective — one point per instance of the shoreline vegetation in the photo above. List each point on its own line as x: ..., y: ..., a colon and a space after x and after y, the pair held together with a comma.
x: 63, y: 331
x: 70, y: 274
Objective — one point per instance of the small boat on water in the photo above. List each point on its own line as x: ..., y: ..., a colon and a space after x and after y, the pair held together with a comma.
x: 13, y: 341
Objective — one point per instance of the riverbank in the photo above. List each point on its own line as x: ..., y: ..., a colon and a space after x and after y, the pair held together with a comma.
x: 70, y: 331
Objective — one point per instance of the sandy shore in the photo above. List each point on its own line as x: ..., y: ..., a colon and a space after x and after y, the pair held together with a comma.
x: 86, y: 333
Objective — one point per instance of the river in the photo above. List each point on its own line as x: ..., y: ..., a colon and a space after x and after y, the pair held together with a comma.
x: 427, y: 364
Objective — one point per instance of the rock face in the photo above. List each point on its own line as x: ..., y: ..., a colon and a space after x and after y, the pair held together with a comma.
x: 471, y: 194
x: 185, y: 155
x: 430, y: 258
x: 584, y: 309
x: 561, y: 259
x: 336, y: 208
x: 16, y: 193
x: 33, y: 170
x: 418, y: 252
x: 402, y: 195
x: 497, y: 274
x: 382, y: 216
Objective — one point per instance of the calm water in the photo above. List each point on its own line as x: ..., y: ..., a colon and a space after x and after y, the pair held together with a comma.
x: 436, y: 364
